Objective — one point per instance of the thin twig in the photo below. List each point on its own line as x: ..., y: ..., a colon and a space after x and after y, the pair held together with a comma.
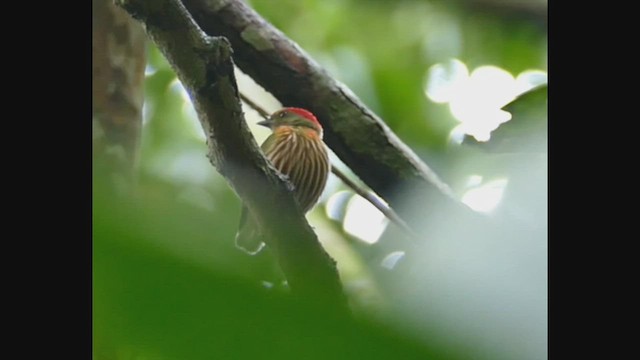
x: 371, y: 198
x: 254, y: 106
x: 387, y: 211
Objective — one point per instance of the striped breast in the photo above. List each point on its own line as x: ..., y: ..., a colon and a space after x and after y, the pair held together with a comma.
x: 301, y: 155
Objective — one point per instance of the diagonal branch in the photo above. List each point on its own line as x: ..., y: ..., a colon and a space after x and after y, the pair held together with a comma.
x: 355, y: 134
x: 205, y: 68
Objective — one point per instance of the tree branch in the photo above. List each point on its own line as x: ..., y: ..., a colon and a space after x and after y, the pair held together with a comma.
x: 354, y: 133
x: 205, y: 68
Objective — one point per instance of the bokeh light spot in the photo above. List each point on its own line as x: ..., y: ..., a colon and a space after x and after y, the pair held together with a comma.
x: 390, y: 261
x: 363, y: 221
x: 336, y: 205
x: 444, y: 80
x: 476, y: 98
x: 486, y: 197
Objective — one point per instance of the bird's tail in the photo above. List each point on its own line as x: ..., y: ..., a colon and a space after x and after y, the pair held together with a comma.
x: 248, y: 237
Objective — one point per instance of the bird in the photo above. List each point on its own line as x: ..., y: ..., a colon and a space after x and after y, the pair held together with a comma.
x: 296, y: 149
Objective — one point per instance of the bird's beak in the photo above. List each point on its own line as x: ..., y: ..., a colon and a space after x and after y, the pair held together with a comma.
x: 266, y: 123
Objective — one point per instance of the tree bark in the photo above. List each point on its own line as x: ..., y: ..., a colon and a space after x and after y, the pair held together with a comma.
x: 118, y: 63
x: 205, y: 68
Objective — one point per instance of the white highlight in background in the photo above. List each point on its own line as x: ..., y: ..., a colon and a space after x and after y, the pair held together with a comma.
x: 485, y: 197
x: 476, y: 98
x: 364, y: 221
x: 188, y: 112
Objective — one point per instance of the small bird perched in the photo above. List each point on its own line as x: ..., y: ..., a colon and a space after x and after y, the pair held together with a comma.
x: 296, y: 149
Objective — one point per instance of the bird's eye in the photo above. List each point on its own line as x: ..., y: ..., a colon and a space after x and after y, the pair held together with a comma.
x: 282, y: 114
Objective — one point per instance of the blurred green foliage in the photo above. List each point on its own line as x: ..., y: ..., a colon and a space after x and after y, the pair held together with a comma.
x: 154, y: 300
x: 169, y: 284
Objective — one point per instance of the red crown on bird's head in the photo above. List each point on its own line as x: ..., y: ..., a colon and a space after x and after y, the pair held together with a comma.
x: 304, y: 113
